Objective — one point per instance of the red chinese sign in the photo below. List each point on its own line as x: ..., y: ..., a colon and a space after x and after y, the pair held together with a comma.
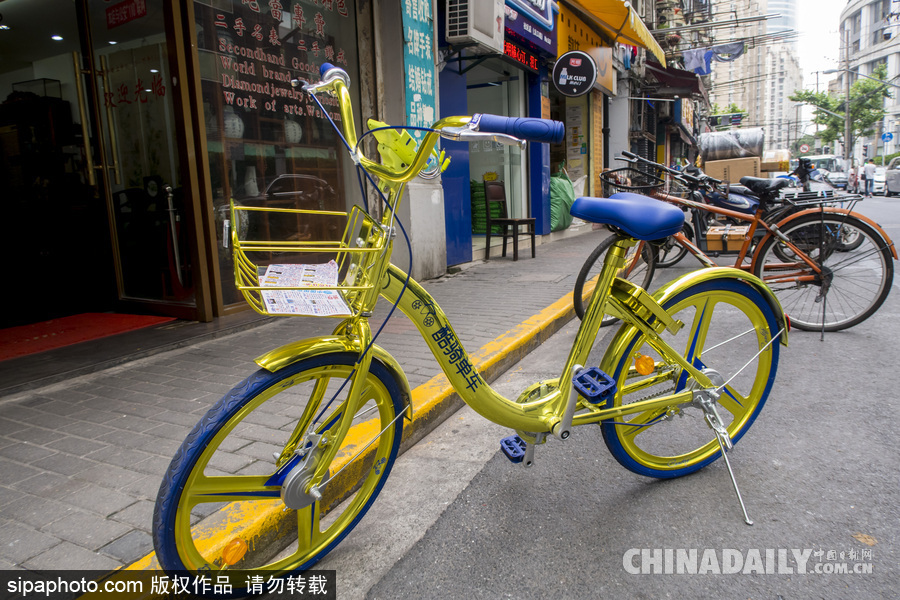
x: 125, y: 12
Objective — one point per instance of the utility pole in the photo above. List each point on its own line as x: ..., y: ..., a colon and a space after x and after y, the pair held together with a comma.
x: 846, y: 33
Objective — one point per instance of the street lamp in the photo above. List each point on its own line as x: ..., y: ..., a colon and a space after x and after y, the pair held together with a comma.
x: 833, y: 71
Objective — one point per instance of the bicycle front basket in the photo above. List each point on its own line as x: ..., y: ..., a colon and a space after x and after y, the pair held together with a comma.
x: 628, y: 179
x: 320, y: 266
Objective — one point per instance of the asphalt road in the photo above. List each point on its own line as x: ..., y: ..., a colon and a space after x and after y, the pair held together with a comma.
x: 818, y: 472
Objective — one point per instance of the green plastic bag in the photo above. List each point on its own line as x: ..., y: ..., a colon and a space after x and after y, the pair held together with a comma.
x: 479, y: 219
x: 562, y: 195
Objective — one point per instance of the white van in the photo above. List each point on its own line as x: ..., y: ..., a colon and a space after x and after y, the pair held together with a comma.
x: 832, y: 166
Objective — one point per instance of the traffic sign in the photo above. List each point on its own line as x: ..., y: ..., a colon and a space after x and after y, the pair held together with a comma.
x: 886, y: 137
x: 804, y: 148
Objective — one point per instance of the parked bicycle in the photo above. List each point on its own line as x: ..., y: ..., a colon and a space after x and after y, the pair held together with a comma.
x: 331, y: 408
x: 824, y: 282
x: 793, y: 198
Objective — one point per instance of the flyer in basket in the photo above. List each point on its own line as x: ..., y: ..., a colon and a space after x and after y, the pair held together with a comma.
x: 320, y: 303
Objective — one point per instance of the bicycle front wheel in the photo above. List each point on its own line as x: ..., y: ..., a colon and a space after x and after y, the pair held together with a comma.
x: 729, y: 334
x: 640, y: 262
x: 854, y: 280
x: 221, y: 496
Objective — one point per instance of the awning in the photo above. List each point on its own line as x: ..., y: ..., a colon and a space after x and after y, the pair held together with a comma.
x: 675, y: 82
x: 619, y: 20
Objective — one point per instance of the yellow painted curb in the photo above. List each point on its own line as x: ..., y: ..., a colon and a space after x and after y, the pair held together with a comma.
x: 432, y: 401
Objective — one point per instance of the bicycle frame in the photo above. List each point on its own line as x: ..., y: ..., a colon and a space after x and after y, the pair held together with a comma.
x: 541, y: 408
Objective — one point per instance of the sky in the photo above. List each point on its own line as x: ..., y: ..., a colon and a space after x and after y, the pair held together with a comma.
x: 819, y: 42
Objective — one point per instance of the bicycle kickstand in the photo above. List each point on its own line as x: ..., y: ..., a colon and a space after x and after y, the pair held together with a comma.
x: 715, y: 423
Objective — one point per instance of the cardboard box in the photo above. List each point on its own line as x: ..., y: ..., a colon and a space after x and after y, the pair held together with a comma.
x: 776, y: 160
x: 733, y: 169
x: 726, y: 238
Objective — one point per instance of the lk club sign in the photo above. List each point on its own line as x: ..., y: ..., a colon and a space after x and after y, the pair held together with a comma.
x: 574, y: 73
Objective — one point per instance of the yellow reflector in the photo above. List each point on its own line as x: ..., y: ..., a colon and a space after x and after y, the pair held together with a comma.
x: 234, y: 551
x: 644, y: 364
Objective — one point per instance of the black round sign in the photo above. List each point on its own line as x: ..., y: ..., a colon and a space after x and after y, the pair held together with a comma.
x: 574, y: 73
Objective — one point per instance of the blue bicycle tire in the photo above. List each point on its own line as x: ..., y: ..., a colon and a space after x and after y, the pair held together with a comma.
x: 617, y: 433
x: 259, y: 388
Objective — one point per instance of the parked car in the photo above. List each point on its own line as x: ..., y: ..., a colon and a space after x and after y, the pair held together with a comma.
x: 892, y: 178
x: 880, y: 178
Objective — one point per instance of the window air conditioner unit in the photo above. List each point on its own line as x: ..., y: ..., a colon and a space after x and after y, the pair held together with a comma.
x: 665, y: 109
x: 478, y: 22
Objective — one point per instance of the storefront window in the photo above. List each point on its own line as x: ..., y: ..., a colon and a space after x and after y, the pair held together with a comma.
x: 269, y: 144
x: 497, y: 89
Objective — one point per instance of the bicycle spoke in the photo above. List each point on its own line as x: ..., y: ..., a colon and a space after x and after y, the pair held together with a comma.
x: 856, y: 259
x: 229, y: 488
x: 699, y: 330
x: 307, y: 525
x: 707, y: 351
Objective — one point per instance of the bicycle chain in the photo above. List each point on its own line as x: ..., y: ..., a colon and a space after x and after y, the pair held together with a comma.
x: 657, y: 394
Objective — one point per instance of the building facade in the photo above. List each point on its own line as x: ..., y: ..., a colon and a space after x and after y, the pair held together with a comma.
x: 781, y: 117
x: 870, y: 28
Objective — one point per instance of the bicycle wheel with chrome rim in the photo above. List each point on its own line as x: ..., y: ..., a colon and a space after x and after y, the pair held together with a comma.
x: 640, y: 263
x: 852, y: 284
x: 728, y: 334
x: 221, y: 498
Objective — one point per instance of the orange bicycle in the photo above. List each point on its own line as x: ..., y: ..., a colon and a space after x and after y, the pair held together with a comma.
x: 823, y: 283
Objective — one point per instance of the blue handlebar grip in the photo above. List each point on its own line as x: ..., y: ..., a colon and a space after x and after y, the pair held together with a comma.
x: 325, y: 67
x: 532, y: 130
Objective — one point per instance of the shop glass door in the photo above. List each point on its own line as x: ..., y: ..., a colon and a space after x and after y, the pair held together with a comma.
x: 494, y: 90
x: 270, y: 145
x: 137, y: 153
x: 56, y: 238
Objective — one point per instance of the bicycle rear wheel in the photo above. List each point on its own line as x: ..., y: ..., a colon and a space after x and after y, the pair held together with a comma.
x: 671, y: 252
x: 222, y: 491
x: 728, y: 334
x: 640, y: 263
x: 855, y: 279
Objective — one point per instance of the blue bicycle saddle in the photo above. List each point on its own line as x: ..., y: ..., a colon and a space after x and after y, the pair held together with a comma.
x: 639, y: 216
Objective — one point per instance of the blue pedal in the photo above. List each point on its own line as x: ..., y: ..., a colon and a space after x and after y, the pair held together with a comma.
x: 594, y: 385
x: 513, y: 447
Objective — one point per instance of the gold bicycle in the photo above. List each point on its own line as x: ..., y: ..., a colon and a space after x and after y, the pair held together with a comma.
x: 331, y: 409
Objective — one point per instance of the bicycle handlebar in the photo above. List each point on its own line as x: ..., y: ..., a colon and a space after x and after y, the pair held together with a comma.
x: 505, y: 130
x: 686, y: 177
x: 525, y: 128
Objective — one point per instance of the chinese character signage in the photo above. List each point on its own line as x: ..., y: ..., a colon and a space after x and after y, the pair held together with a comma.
x: 125, y: 12
x: 684, y: 114
x: 523, y: 57
x: 253, y: 50
x: 532, y: 22
x: 418, y: 37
